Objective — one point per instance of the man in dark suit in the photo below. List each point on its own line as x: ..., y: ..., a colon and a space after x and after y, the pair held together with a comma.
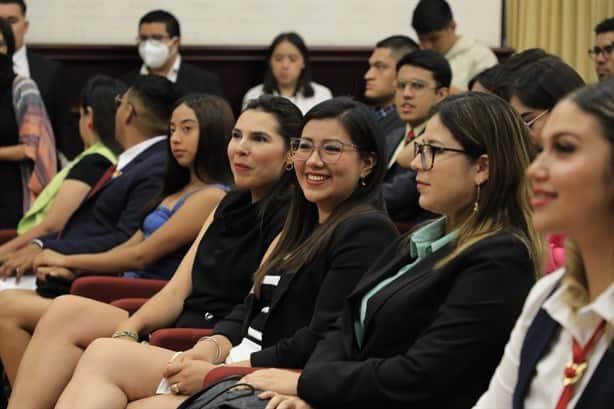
x: 48, y: 75
x: 112, y: 212
x: 422, y: 80
x: 159, y: 41
x: 380, y: 77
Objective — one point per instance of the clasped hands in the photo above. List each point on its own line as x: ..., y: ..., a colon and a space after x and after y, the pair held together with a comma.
x: 32, y: 258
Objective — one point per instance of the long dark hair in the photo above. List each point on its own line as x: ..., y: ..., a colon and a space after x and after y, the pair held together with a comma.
x: 303, y: 85
x: 302, y: 237
x: 99, y: 94
x: 215, y: 121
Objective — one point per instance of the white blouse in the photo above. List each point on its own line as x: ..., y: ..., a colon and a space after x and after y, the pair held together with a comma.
x: 547, y: 384
x: 320, y: 93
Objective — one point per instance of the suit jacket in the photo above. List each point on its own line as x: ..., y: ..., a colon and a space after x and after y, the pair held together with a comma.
x: 308, y: 301
x: 190, y: 80
x: 390, y: 122
x: 400, y: 192
x: 49, y: 77
x: 432, y: 338
x: 113, y: 214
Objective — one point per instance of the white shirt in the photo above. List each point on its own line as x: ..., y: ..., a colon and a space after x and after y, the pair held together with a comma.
x: 20, y: 63
x: 547, y: 384
x: 129, y: 154
x: 320, y: 93
x: 467, y: 59
x: 172, y: 73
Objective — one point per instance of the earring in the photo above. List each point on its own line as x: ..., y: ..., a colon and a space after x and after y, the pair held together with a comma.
x: 289, y: 166
x: 362, y: 181
x: 476, y: 205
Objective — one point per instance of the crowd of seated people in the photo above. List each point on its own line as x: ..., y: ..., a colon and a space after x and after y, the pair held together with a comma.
x: 434, y: 248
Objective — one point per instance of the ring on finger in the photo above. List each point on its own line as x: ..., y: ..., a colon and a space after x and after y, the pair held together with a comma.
x: 175, y: 388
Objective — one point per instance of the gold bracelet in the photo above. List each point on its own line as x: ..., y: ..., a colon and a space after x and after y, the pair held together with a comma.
x: 125, y: 333
x: 218, y: 350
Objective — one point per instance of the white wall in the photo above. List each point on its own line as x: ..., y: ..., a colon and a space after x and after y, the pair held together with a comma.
x: 249, y: 22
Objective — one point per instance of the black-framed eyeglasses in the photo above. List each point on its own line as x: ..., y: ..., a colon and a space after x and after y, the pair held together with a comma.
x: 118, y: 100
x: 329, y: 151
x: 428, y: 152
x: 530, y: 123
x: 606, y: 50
x: 415, y: 86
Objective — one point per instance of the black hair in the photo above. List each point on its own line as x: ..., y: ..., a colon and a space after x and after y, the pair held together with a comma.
x: 9, y: 39
x: 163, y: 16
x: 157, y: 96
x: 399, y: 45
x: 20, y: 3
x: 506, y: 74
x: 99, y: 94
x: 431, y: 61
x: 215, y: 122
x: 431, y: 15
x: 302, y: 236
x: 545, y: 82
x: 303, y: 84
x: 605, y: 26
x: 487, y: 78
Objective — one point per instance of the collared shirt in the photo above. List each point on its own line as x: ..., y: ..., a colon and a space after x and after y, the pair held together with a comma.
x: 467, y: 59
x: 20, y: 63
x: 383, y: 112
x: 423, y: 243
x: 547, y: 384
x: 129, y: 154
x: 172, y: 73
x: 418, y: 130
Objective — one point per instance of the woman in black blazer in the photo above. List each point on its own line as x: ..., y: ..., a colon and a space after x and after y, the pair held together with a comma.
x: 426, y: 325
x: 334, y: 230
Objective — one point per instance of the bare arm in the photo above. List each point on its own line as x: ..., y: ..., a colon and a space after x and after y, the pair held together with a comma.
x: 14, y: 153
x: 180, y: 229
x: 66, y: 202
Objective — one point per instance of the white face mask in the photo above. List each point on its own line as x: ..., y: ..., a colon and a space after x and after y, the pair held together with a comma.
x: 153, y: 53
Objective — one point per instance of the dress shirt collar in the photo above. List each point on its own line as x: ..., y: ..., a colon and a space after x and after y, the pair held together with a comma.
x: 129, y: 154
x: 172, y: 74
x: 430, y: 238
x: 582, y: 324
x: 20, y: 63
x: 418, y: 130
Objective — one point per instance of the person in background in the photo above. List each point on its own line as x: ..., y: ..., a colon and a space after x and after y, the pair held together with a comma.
x: 536, y: 89
x: 67, y: 190
x: 27, y: 148
x: 603, y: 50
x: 159, y: 42
x: 380, y: 79
x: 436, y: 29
x: 560, y: 352
x: 288, y: 74
x: 47, y: 74
x: 485, y: 81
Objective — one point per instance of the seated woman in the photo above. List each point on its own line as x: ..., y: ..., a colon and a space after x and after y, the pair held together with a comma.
x: 63, y: 195
x: 27, y: 148
x: 333, y: 232
x: 199, y: 125
x: 288, y: 74
x: 212, y: 278
x: 560, y: 351
x: 426, y: 326
x: 536, y: 89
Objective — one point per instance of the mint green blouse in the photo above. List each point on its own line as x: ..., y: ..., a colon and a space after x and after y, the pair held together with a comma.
x: 423, y: 242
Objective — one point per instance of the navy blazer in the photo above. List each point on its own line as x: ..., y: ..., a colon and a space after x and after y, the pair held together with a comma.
x: 190, y: 80
x: 432, y: 338
x: 49, y: 77
x: 114, y: 213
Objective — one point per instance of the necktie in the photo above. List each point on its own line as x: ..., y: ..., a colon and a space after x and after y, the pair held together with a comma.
x: 410, y: 136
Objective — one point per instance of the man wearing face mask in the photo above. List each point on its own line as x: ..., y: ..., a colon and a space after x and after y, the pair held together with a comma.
x: 158, y: 45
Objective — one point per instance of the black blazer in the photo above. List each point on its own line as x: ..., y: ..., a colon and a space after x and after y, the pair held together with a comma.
x: 190, y: 80
x: 307, y: 302
x: 389, y: 123
x: 432, y: 338
x: 49, y: 77
x: 114, y: 213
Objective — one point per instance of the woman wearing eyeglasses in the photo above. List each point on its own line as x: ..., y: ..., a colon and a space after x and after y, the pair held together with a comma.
x: 334, y: 230
x: 426, y: 326
x: 537, y: 88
